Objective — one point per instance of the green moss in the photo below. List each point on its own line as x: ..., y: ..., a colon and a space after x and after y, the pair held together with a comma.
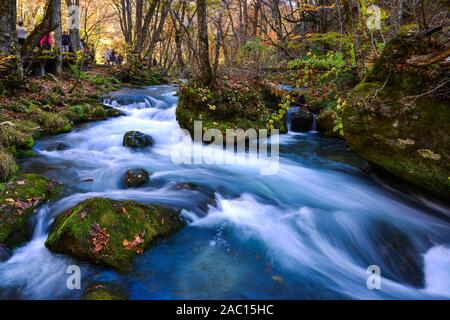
x: 71, y: 233
x: 52, y: 123
x: 86, y: 112
x: 11, y: 136
x: 97, y: 113
x: 18, y: 200
x: 104, y: 291
x: 8, y: 166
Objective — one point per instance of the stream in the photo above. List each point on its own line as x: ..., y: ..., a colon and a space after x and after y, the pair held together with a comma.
x: 308, y: 232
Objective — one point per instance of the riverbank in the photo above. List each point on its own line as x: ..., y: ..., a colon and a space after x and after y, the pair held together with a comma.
x: 43, y: 107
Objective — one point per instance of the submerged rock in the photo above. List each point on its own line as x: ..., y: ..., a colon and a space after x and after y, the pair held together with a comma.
x: 403, y: 261
x: 302, y: 120
x: 114, y: 113
x: 111, y: 233
x: 136, y: 139
x: 207, y: 192
x: 18, y: 201
x: 5, y: 254
x: 102, y: 291
x: 136, y: 178
x: 58, y: 146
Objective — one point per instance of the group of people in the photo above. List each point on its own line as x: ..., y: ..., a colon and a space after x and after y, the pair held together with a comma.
x: 112, y: 57
x: 47, y: 40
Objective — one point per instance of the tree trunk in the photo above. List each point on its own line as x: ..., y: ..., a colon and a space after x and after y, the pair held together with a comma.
x: 8, y: 35
x: 396, y: 16
x: 58, y: 37
x: 353, y: 28
x: 74, y: 22
x: 206, y: 75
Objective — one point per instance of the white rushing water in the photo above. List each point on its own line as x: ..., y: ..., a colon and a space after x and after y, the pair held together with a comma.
x: 310, y: 231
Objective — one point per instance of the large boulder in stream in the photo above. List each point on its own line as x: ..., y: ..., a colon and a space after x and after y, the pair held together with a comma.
x: 111, y: 233
x: 18, y: 201
x: 136, y: 139
x: 136, y: 178
x: 399, y: 120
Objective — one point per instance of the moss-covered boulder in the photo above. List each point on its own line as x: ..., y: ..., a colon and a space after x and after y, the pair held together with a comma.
x: 398, y: 118
x: 326, y: 121
x: 19, y: 199
x: 235, y: 104
x: 103, y: 291
x: 114, y: 113
x: 111, y: 233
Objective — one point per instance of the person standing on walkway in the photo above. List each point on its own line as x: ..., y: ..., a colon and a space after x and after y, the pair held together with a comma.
x: 21, y: 33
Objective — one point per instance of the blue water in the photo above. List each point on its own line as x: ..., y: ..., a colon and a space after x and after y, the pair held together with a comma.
x: 308, y: 232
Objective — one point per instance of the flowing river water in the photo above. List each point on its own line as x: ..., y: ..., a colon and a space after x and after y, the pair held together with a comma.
x: 308, y: 232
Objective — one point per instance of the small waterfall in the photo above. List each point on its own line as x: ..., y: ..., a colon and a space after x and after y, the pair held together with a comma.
x: 314, y: 124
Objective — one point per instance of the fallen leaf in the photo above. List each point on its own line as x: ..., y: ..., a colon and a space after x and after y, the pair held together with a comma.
x: 133, y: 245
x: 100, y: 237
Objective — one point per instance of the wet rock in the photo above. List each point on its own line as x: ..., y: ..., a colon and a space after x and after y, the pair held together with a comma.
x: 58, y: 146
x: 326, y: 122
x: 302, y: 120
x: 5, y: 254
x: 114, y: 113
x: 18, y: 201
x: 208, y: 194
x: 103, y: 291
x: 136, y: 178
x: 410, y: 140
x: 111, y: 233
x: 403, y: 260
x: 136, y: 139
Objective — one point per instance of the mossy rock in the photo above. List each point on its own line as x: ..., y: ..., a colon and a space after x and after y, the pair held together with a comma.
x: 103, y: 291
x: 411, y: 141
x: 77, y: 231
x: 326, y: 122
x: 245, y: 106
x: 16, y: 137
x: 97, y: 112
x: 398, y: 118
x: 136, y: 139
x: 51, y: 122
x: 19, y: 199
x: 8, y: 166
